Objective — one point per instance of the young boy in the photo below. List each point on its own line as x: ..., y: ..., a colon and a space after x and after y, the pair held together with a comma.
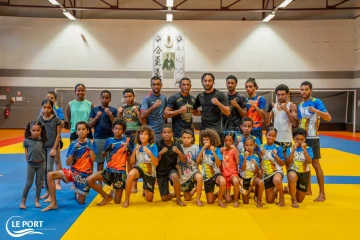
x: 145, y: 155
x: 166, y: 171
x: 130, y: 113
x: 189, y: 171
x: 80, y: 158
x: 246, y: 126
x: 115, y: 172
x: 210, y: 158
x: 299, y: 158
x: 101, y: 119
x: 249, y: 172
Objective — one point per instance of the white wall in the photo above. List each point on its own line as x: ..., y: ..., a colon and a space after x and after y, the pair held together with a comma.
x: 215, y: 46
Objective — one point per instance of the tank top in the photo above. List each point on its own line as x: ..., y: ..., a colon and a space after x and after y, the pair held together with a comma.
x: 80, y: 111
x: 282, y: 124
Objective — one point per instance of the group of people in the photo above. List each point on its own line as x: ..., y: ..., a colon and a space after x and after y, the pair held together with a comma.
x: 137, y: 142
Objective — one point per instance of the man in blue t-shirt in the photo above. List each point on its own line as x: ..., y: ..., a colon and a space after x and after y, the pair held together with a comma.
x: 310, y: 111
x: 101, y: 119
x: 153, y: 106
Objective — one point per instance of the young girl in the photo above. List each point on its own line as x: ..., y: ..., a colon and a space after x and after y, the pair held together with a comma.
x: 78, y: 110
x: 145, y: 158
x: 35, y: 139
x: 249, y: 172
x: 299, y: 159
x: 80, y: 158
x: 52, y: 126
x: 272, y: 160
x: 210, y: 157
x: 115, y: 172
x: 229, y: 167
x: 188, y: 170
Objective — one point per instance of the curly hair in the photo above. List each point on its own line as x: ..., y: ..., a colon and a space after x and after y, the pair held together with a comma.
x: 298, y: 131
x: 212, y: 135
x: 43, y: 131
x: 121, y: 122
x: 145, y: 128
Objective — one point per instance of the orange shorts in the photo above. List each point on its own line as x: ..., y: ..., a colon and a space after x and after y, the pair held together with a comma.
x: 228, y: 180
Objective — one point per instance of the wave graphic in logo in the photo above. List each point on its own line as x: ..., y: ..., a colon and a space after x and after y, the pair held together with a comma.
x: 20, y: 233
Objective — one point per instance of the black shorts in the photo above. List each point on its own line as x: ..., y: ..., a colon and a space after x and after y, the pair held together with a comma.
x: 210, y: 184
x: 314, y: 143
x: 163, y: 182
x: 189, y: 184
x: 117, y: 180
x: 148, y: 181
x: 284, y: 145
x: 268, y: 183
x: 247, y: 182
x: 303, y: 181
x: 73, y: 136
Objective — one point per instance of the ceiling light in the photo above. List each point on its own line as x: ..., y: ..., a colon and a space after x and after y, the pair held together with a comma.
x: 169, y: 3
x: 169, y: 17
x: 285, y: 3
x: 269, y: 17
x: 54, y: 2
x: 69, y: 15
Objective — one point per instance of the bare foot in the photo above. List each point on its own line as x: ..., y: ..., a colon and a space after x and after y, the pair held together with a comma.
x: 45, y: 196
x: 320, y: 198
x: 106, y: 200
x: 199, y: 203
x: 236, y: 204
x: 259, y: 205
x: 281, y: 202
x: 180, y: 203
x: 22, y: 206
x: 309, y: 192
x: 295, y: 204
x: 48, y: 199
x: 221, y: 204
x: 37, y: 204
x: 286, y: 190
x: 58, y: 186
x: 134, y: 190
x: 126, y: 204
x: 50, y: 207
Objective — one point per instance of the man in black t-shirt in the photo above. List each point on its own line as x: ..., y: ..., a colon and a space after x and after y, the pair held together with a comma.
x: 237, y: 105
x: 213, y: 104
x: 179, y: 107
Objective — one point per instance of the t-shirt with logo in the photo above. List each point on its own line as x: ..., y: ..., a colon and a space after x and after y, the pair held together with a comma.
x: 156, y: 118
x: 208, y: 163
x: 184, y: 120
x: 299, y: 163
x: 118, y: 155
x: 82, y: 162
x: 131, y: 118
x: 143, y: 159
x: 268, y: 161
x: 211, y: 116
x: 189, y: 168
x: 308, y: 120
x: 232, y: 122
x: 250, y: 166
x: 253, y: 114
x: 228, y: 164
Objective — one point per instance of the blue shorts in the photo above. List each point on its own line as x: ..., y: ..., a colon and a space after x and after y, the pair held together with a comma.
x: 79, y: 178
